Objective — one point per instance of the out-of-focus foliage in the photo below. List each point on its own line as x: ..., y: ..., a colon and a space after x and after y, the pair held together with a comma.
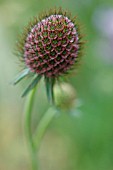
x: 83, y: 138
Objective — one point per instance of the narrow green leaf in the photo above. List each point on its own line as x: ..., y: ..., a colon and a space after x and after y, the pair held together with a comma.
x: 32, y: 84
x: 49, y: 83
x: 23, y: 74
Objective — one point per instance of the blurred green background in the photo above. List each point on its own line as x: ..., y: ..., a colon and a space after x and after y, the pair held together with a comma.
x: 78, y: 140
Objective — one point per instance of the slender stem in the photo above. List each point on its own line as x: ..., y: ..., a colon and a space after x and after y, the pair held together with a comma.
x: 28, y: 116
x: 43, y: 125
x: 34, y: 143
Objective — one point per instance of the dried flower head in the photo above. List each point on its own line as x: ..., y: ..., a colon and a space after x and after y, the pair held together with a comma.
x: 50, y: 47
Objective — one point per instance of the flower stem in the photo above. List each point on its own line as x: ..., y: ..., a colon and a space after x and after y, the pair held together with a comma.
x: 28, y: 117
x: 35, y: 141
x: 42, y: 127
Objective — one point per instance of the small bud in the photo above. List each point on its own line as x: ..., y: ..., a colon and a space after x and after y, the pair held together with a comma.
x: 65, y: 96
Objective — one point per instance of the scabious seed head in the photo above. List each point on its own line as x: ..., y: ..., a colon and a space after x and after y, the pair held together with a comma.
x: 52, y: 46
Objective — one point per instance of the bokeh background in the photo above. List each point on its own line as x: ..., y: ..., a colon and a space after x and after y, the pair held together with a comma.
x: 81, y: 139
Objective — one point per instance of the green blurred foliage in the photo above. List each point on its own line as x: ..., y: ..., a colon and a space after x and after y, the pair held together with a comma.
x: 78, y: 140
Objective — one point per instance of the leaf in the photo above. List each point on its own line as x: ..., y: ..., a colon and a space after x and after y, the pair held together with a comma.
x: 32, y: 85
x: 49, y: 83
x: 23, y: 74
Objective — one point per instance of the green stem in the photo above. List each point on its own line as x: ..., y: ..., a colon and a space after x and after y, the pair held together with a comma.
x: 28, y: 117
x: 43, y: 125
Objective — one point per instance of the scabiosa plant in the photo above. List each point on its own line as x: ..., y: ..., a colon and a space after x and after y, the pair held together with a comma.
x: 50, y: 47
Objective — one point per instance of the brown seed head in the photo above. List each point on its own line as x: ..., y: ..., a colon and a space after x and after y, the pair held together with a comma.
x: 52, y: 46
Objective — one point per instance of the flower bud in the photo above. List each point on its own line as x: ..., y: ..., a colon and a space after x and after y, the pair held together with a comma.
x: 65, y: 96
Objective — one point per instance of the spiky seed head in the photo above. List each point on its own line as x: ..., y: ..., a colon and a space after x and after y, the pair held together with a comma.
x: 52, y: 46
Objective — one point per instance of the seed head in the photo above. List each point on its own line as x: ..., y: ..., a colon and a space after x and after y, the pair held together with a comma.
x: 52, y: 46
x: 49, y: 47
